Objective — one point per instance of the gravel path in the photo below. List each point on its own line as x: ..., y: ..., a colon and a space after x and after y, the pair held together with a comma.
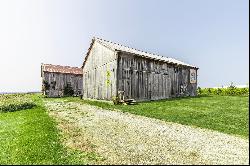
x: 123, y: 138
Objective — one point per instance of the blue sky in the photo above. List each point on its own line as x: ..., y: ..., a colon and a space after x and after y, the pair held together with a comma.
x: 211, y: 34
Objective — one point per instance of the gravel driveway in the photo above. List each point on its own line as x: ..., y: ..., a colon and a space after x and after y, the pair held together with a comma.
x: 123, y: 138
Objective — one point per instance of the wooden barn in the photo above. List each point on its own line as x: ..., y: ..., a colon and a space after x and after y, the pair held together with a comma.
x: 113, y: 70
x: 59, y: 80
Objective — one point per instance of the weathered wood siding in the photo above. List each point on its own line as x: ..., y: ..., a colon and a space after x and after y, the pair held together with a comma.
x: 145, y: 79
x: 57, y: 82
x: 99, y: 73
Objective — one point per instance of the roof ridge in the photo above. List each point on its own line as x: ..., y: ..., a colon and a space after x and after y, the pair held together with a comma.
x: 61, y: 69
x: 60, y: 65
x: 117, y: 46
x: 127, y: 46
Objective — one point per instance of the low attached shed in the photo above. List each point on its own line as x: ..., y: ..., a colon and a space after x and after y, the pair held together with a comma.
x: 111, y: 70
x: 58, y: 80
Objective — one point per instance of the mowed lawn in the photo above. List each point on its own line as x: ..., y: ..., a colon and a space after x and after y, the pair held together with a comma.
x: 30, y: 136
x: 228, y: 114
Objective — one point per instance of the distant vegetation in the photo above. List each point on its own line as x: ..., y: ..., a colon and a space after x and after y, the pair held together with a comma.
x: 229, y: 91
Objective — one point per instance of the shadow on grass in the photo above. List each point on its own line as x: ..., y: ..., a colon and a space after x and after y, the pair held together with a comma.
x: 176, y: 99
x: 105, y: 103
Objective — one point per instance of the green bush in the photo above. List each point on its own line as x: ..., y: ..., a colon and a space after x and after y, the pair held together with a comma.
x: 230, y: 91
x: 16, y: 107
x: 46, y: 85
x: 11, y: 103
x: 68, y: 90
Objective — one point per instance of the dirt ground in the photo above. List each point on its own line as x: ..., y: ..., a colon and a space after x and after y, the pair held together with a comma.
x: 123, y: 138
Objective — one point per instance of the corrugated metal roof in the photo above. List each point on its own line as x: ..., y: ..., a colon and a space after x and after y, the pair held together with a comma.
x: 61, y: 69
x: 119, y: 47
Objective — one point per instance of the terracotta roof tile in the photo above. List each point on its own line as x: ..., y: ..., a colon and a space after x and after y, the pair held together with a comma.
x: 61, y: 69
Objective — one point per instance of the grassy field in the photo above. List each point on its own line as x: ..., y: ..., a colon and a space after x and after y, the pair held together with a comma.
x: 30, y: 136
x: 228, y: 114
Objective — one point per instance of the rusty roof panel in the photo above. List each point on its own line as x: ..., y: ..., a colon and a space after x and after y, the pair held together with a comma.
x: 61, y: 69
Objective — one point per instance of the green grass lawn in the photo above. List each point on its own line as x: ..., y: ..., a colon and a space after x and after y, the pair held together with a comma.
x: 228, y: 114
x: 30, y: 136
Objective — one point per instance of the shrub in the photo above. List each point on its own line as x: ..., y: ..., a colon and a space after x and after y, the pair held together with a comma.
x: 219, y: 91
x: 230, y: 91
x: 115, y: 100
x: 199, y: 90
x: 68, y: 90
x: 16, y: 107
x: 11, y: 103
x: 46, y: 85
